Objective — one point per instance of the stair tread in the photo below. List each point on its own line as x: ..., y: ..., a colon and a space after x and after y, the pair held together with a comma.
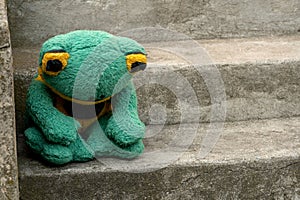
x: 221, y: 51
x: 257, y: 141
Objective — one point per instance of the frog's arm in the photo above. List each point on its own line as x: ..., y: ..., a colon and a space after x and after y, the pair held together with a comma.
x: 56, y: 126
x: 124, y: 126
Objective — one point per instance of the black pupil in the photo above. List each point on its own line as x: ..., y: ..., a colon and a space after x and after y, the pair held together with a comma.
x: 137, y: 66
x: 54, y: 66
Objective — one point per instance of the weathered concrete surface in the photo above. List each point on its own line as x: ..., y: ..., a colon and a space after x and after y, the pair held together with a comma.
x: 260, y: 76
x: 252, y: 160
x: 8, y: 159
x: 34, y: 21
x: 220, y: 51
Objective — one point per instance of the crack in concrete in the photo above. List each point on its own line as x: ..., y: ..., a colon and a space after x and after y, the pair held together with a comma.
x: 186, y: 181
x: 6, y: 45
x: 256, y: 169
x: 291, y: 164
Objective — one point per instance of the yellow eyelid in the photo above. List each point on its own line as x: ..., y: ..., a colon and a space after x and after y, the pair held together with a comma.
x: 136, y: 57
x: 61, y: 56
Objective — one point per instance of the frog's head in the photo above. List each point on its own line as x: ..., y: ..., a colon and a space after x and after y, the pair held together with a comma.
x: 89, y: 66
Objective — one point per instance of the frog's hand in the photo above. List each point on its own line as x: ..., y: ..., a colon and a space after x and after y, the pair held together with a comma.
x: 124, y: 126
x: 56, y: 126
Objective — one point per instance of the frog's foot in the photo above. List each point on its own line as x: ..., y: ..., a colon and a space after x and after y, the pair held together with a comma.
x: 52, y: 153
x: 136, y: 148
x: 125, y: 133
x: 55, y: 153
x: 103, y: 146
x: 81, y: 151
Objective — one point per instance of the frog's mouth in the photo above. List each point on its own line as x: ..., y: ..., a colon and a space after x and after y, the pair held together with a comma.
x: 81, y: 102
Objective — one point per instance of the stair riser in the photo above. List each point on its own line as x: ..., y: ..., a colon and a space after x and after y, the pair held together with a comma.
x: 271, y: 180
x: 253, y: 91
x: 32, y: 22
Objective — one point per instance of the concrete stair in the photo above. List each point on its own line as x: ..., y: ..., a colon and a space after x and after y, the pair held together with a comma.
x: 31, y: 22
x: 258, y: 78
x: 221, y: 99
x: 255, y: 154
x: 252, y: 160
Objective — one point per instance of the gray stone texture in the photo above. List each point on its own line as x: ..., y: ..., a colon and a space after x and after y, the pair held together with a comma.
x: 251, y: 160
x: 34, y: 21
x: 185, y: 84
x: 8, y: 159
x: 260, y: 78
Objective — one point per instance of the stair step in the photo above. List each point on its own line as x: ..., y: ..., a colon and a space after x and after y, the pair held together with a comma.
x: 257, y: 159
x: 188, y: 90
x: 31, y: 22
x: 258, y: 78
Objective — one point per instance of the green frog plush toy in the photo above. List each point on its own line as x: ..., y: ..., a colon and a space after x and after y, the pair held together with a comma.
x: 82, y: 103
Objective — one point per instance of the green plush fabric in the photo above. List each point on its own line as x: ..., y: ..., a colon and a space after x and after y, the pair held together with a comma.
x: 96, y: 69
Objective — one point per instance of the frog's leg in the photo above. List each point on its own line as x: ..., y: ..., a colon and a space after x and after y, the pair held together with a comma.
x: 81, y: 150
x: 124, y: 127
x: 103, y: 146
x: 53, y: 153
x: 55, y: 126
x: 56, y: 153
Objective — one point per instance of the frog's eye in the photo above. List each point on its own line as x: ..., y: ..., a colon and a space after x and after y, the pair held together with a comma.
x: 136, y: 62
x: 54, y: 62
x: 54, y: 66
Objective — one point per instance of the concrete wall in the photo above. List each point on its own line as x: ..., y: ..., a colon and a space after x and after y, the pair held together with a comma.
x: 33, y: 21
x: 8, y: 160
